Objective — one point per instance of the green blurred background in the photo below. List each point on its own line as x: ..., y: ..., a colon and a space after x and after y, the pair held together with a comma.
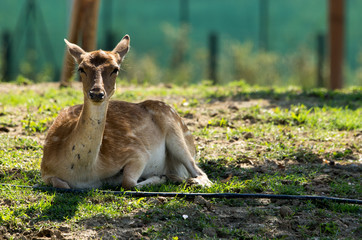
x: 272, y: 44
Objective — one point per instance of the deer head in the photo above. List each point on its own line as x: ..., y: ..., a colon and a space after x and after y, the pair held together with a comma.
x: 98, y: 69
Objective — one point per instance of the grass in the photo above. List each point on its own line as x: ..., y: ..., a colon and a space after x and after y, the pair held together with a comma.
x: 249, y: 140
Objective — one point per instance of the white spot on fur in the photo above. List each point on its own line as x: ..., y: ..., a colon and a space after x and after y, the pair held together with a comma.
x: 101, y: 52
x: 188, y: 133
x: 55, y: 139
x: 132, y: 135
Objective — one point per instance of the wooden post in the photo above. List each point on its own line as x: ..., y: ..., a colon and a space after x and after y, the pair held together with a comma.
x: 320, y: 59
x: 89, y: 25
x: 213, y: 42
x: 83, y: 21
x: 336, y: 42
x: 263, y: 24
x: 68, y: 62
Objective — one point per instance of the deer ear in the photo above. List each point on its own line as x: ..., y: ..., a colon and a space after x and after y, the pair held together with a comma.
x: 75, y: 51
x: 122, y: 47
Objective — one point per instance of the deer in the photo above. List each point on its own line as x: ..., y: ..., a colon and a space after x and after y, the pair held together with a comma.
x: 113, y: 142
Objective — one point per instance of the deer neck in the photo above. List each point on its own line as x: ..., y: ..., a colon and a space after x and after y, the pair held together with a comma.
x: 88, y: 133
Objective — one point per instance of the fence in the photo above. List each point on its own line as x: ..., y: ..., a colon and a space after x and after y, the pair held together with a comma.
x: 263, y: 42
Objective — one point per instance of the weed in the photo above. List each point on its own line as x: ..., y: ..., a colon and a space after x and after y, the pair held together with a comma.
x: 218, y: 122
x: 300, y: 115
x: 330, y: 228
x: 304, y: 231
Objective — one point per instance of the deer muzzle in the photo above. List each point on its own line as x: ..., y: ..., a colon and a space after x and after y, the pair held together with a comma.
x: 96, y: 95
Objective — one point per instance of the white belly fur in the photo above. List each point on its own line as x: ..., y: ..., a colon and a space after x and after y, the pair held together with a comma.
x: 156, y: 165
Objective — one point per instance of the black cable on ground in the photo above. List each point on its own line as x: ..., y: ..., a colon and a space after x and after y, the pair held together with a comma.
x: 192, y: 195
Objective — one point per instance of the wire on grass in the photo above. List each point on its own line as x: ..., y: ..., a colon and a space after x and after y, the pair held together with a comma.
x: 192, y: 195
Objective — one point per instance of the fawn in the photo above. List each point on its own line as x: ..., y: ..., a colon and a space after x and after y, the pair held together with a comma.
x: 116, y: 142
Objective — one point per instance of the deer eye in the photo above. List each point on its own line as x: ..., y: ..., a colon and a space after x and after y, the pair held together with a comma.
x: 115, y: 71
x: 81, y: 70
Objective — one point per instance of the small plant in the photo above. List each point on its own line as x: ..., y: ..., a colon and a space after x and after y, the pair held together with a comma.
x: 304, y: 231
x: 330, y: 228
x: 218, y: 122
x: 300, y: 115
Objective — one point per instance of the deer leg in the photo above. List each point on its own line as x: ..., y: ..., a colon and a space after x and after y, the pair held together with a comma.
x: 58, y: 183
x: 177, y: 147
x: 152, y: 181
x: 132, y: 172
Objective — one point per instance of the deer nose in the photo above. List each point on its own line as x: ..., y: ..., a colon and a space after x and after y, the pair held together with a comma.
x: 96, y: 95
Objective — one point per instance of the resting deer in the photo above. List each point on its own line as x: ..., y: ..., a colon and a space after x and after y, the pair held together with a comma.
x: 116, y: 142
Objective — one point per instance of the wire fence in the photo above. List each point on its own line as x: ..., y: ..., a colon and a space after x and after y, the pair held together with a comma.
x: 185, y: 41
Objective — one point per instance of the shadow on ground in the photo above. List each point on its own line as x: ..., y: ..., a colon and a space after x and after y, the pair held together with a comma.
x: 310, y: 98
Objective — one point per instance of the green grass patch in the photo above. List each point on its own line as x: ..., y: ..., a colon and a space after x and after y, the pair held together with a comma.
x: 271, y: 140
